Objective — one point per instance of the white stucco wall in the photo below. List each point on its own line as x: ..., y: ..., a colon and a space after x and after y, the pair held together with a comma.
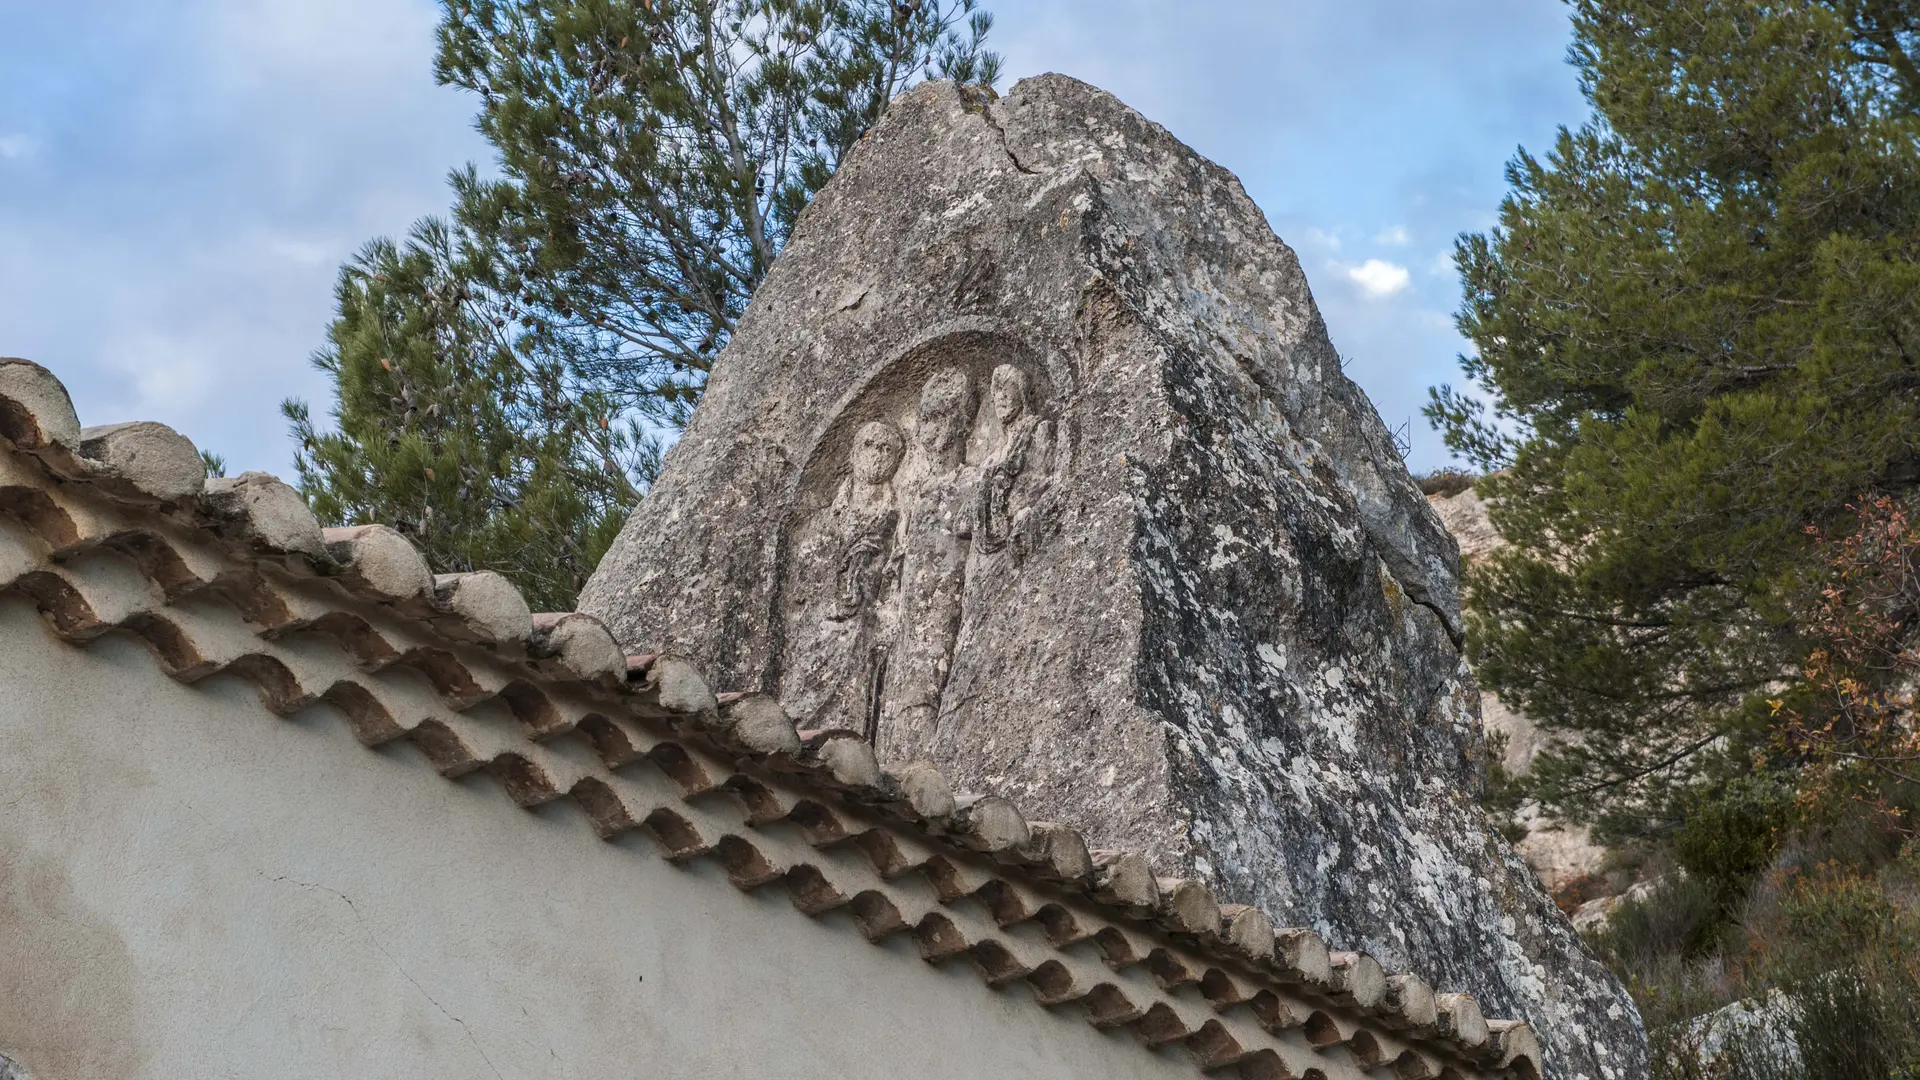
x: 192, y: 888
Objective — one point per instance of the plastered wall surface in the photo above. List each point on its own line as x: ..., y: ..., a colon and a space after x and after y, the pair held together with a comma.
x: 191, y: 887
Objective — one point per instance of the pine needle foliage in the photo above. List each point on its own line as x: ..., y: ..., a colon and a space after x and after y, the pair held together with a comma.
x: 462, y: 429
x: 656, y: 154
x: 503, y: 377
x: 1698, y: 328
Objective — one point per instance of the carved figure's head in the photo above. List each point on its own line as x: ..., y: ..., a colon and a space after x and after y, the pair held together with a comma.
x: 1008, y: 390
x: 945, y: 416
x: 877, y: 449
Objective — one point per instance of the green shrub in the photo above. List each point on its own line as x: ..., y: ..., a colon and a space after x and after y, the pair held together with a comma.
x: 1829, y: 922
x: 1729, y: 834
x: 1661, y: 946
x: 1842, y: 946
x: 1860, y: 1024
x: 1445, y: 482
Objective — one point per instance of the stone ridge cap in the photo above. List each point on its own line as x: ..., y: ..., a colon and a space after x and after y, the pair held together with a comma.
x: 1272, y: 1000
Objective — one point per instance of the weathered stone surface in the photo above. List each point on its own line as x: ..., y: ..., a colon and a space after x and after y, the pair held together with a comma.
x: 35, y: 411
x: 145, y: 460
x: 1465, y: 516
x: 488, y: 605
x: 1459, y: 1016
x: 579, y: 646
x: 380, y: 561
x: 259, y: 509
x: 1032, y: 459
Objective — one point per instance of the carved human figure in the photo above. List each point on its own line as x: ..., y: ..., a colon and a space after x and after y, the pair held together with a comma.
x: 935, y: 533
x: 1016, y: 470
x: 865, y: 517
x: 841, y: 622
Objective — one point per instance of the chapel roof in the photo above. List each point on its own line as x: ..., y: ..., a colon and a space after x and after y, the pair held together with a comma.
x: 236, y: 577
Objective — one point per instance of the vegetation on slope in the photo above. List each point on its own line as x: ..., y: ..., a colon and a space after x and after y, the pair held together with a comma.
x: 1696, y: 385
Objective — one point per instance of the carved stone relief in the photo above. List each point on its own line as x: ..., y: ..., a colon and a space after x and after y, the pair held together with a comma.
x: 896, y: 527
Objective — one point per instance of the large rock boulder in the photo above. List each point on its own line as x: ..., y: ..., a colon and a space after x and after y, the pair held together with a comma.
x: 1032, y: 458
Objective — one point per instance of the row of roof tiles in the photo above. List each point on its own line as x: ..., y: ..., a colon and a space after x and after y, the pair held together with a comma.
x: 144, y: 473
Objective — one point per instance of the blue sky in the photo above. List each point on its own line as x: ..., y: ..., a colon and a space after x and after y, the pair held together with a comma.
x: 180, y: 179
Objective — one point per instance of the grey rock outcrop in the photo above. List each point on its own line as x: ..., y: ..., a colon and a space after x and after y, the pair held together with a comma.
x: 1032, y: 458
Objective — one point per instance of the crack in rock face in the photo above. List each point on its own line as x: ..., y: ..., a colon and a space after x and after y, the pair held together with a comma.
x: 1032, y: 458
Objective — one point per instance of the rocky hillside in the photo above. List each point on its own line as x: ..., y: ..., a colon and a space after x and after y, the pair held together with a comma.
x: 1565, y: 856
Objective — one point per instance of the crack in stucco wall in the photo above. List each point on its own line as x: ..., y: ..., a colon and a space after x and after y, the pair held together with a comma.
x: 361, y: 918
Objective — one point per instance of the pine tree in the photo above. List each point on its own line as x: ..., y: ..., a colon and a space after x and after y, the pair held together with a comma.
x: 503, y: 378
x: 463, y: 429
x: 657, y: 153
x: 1698, y: 325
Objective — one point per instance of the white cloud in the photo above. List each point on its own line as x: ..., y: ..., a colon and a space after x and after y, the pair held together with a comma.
x: 304, y: 252
x: 15, y: 147
x: 1397, y: 236
x: 353, y: 46
x: 168, y: 373
x: 1379, y: 278
x: 1321, y: 238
